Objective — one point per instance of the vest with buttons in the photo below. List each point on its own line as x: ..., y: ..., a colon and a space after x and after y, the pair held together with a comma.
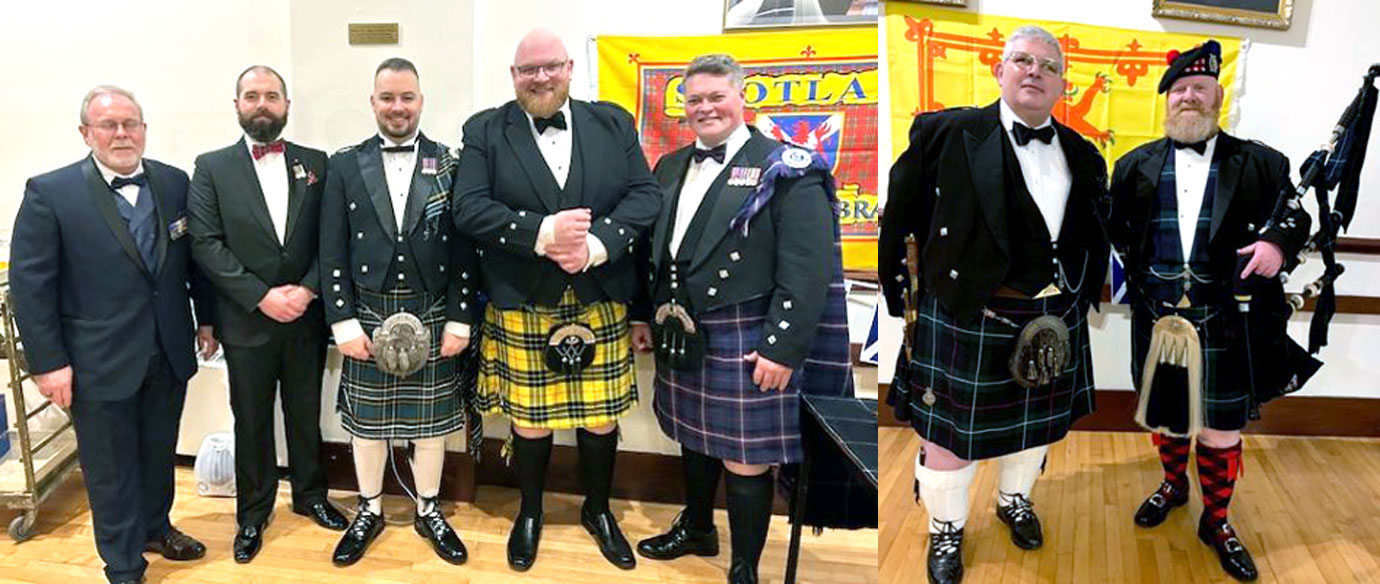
x: 1037, y: 262
x: 1167, y: 277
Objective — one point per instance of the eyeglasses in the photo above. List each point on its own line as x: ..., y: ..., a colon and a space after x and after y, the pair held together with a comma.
x: 550, y: 69
x: 111, y: 126
x: 1025, y: 61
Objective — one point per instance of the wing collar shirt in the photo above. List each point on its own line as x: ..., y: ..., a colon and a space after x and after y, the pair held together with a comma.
x: 1045, y: 169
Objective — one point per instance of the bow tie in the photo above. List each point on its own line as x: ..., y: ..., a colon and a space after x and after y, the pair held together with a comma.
x: 1200, y: 146
x: 260, y: 150
x: 1023, y: 133
x: 121, y: 181
x: 399, y: 149
x: 557, y: 120
x: 717, y: 153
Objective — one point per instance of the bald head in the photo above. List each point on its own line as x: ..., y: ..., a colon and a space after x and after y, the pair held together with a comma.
x: 541, y: 73
x: 540, y: 43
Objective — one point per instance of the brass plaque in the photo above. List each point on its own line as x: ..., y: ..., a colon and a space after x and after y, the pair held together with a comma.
x: 373, y: 33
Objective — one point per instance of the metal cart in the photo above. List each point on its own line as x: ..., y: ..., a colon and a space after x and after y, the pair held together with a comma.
x: 39, y: 459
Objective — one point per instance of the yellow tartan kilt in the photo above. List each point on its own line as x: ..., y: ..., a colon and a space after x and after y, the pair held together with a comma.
x: 514, y: 379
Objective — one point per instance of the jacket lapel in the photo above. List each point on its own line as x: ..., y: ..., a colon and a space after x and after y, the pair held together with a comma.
x: 672, y: 177
x: 370, y: 160
x: 730, y: 199
x: 1149, y: 168
x: 102, y: 195
x: 982, y: 145
x: 586, y: 134
x: 524, y: 149
x: 423, y: 185
x: 297, y: 189
x: 156, y: 187
x: 249, y: 185
x: 1230, y: 159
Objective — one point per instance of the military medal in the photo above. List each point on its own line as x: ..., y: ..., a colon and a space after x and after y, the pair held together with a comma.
x: 428, y: 165
x: 744, y: 176
x: 177, y: 228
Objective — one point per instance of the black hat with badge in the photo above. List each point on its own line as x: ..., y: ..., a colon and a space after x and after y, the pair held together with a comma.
x: 1204, y: 59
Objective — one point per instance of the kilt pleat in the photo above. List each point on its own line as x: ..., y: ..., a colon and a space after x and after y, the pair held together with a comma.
x: 1226, y: 398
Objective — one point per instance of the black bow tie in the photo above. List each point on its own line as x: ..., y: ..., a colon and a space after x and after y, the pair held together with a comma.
x: 1023, y: 133
x: 398, y: 149
x: 717, y: 153
x: 121, y: 181
x: 557, y: 120
x: 1200, y: 146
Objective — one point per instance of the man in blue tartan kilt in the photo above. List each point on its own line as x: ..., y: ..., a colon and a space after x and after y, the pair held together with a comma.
x: 746, y: 310
x: 1004, y: 202
x: 1186, y: 211
x: 556, y: 192
x: 389, y: 249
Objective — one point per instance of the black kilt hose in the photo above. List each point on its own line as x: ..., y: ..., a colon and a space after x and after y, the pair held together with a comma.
x: 1226, y: 397
x: 978, y: 410
x: 379, y: 406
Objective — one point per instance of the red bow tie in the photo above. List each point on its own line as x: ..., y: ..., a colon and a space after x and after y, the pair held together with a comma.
x: 259, y: 150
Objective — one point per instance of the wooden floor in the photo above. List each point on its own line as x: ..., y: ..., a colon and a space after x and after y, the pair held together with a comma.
x: 297, y: 551
x: 1307, y: 508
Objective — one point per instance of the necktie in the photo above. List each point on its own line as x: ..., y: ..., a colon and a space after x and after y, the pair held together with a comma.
x: 557, y: 120
x: 1023, y: 133
x: 121, y: 181
x: 259, y: 150
x: 717, y: 153
x: 1200, y: 146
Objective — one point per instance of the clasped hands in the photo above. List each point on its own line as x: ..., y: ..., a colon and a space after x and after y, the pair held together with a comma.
x: 570, y: 248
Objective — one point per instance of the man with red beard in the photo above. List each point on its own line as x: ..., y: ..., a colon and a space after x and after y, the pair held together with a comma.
x: 1189, y: 217
x: 555, y: 193
x: 255, y: 207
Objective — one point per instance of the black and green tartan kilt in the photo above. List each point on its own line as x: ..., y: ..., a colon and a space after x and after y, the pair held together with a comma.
x: 1226, y: 397
x: 380, y: 406
x: 514, y: 379
x: 978, y: 411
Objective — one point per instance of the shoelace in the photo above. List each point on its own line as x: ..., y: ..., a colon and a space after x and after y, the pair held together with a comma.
x: 1020, y: 508
x: 436, y: 522
x: 947, y: 540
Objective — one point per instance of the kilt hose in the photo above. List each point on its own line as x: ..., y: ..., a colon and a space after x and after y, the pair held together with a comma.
x: 514, y: 379
x: 978, y: 411
x: 379, y: 406
x: 1226, y: 395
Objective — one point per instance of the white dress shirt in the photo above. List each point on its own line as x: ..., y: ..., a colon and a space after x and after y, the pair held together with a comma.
x: 397, y: 169
x: 557, y: 148
x: 1045, y: 170
x: 1191, y: 171
x: 698, y: 178
x: 272, y: 171
x: 129, y: 192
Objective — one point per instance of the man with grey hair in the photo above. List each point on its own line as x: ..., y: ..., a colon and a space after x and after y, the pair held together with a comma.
x: 743, y: 318
x: 1004, y: 202
x: 100, y: 275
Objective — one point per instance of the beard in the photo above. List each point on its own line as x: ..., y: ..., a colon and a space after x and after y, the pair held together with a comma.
x: 407, y: 131
x: 262, y: 130
x: 1193, y: 123
x: 541, y: 106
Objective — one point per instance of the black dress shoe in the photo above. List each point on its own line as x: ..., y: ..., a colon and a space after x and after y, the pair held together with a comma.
x: 945, y: 560
x: 323, y: 514
x: 139, y: 581
x: 612, y: 544
x: 248, y: 540
x: 1157, y: 506
x: 176, y: 546
x: 357, y: 537
x: 522, y: 542
x: 1236, y: 560
x: 681, y: 540
x: 741, y: 572
x: 1025, y: 525
x: 433, y: 527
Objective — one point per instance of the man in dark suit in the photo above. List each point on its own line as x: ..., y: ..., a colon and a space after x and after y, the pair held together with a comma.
x: 389, y: 251
x: 747, y: 312
x: 255, y: 208
x: 99, y: 275
x: 555, y: 192
x: 1004, y: 202
x: 1185, y: 210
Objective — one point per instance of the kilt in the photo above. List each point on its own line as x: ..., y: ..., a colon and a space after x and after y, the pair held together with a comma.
x: 514, y: 379
x: 379, y: 406
x: 1226, y: 394
x: 979, y: 411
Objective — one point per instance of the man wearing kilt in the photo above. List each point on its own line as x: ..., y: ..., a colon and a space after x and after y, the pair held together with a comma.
x: 1187, y: 211
x: 1003, y: 202
x: 747, y: 308
x: 389, y: 252
x: 556, y: 192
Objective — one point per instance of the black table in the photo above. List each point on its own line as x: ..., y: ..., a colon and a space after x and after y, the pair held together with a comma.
x: 850, y: 424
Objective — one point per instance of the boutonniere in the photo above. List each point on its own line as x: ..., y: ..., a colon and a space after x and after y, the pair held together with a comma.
x: 311, y: 178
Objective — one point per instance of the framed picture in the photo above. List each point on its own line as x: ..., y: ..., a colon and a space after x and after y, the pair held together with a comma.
x: 752, y: 14
x: 1258, y: 13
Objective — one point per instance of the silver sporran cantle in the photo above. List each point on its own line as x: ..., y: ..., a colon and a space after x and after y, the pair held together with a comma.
x: 401, y: 344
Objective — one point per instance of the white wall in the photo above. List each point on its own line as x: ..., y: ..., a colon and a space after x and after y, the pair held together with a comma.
x: 1297, y: 84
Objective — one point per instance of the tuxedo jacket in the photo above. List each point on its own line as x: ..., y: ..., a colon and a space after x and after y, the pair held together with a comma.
x: 236, y: 246
x: 786, y: 256
x: 503, y: 189
x: 83, y: 296
x: 949, y: 189
x: 362, y: 246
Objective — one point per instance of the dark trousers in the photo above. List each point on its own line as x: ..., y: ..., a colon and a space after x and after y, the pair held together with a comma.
x: 126, y: 449
x: 291, y: 361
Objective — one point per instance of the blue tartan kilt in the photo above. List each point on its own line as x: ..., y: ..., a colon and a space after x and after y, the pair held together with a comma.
x: 379, y: 406
x: 1226, y: 393
x: 978, y: 410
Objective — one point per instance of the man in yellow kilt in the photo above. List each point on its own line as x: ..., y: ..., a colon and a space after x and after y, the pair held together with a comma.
x: 555, y: 192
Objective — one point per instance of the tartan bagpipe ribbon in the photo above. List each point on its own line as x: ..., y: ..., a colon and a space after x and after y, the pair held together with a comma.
x: 787, y: 161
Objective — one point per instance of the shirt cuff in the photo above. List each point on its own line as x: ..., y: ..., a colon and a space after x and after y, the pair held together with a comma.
x: 598, y: 254
x: 346, y: 330
x: 458, y: 329
x: 546, y: 235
